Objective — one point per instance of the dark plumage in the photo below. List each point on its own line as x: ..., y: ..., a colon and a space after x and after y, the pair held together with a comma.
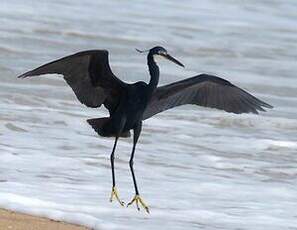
x: 89, y: 75
x: 204, y: 90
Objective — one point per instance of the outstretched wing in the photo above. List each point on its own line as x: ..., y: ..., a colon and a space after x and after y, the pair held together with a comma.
x: 204, y: 90
x: 89, y: 75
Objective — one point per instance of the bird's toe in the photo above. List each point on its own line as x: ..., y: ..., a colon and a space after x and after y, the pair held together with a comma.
x: 115, y: 194
x: 138, y: 200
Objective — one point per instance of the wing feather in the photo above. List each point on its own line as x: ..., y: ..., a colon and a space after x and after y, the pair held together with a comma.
x: 89, y: 75
x: 204, y: 90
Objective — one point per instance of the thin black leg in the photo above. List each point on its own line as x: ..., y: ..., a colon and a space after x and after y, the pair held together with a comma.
x: 137, y: 199
x: 136, y: 131
x: 114, y: 192
x: 112, y: 161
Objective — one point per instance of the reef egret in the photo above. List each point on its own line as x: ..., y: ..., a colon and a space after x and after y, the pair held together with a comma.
x: 89, y: 75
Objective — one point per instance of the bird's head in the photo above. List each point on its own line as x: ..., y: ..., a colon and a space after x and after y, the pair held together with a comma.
x: 160, y: 51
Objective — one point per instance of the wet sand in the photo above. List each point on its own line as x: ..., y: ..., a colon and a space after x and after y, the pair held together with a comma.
x: 17, y: 221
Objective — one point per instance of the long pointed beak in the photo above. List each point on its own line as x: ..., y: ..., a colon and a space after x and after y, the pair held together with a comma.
x: 170, y: 58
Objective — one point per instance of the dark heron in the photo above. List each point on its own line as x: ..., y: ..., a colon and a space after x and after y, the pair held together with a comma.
x: 89, y: 75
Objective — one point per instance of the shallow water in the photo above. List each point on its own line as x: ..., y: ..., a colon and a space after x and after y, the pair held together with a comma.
x: 197, y: 168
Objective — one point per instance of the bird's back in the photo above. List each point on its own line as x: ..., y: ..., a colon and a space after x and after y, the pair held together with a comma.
x: 130, y: 108
x: 134, y: 104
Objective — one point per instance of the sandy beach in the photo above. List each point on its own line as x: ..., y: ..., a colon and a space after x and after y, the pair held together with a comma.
x: 17, y: 221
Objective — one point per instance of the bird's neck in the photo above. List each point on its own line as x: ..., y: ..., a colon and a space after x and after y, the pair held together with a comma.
x: 154, y: 72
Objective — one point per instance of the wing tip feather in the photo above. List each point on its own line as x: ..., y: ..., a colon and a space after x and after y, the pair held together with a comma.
x: 22, y: 76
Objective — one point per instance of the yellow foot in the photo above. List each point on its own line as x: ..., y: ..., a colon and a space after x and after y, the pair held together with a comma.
x: 137, y: 199
x: 114, y: 193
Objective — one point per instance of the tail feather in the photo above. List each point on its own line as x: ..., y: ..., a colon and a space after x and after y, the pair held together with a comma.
x: 98, y: 124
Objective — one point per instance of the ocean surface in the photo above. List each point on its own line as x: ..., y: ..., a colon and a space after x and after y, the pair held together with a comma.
x: 197, y: 168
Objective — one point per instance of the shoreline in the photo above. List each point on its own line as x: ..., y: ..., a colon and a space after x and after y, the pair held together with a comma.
x: 12, y: 220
